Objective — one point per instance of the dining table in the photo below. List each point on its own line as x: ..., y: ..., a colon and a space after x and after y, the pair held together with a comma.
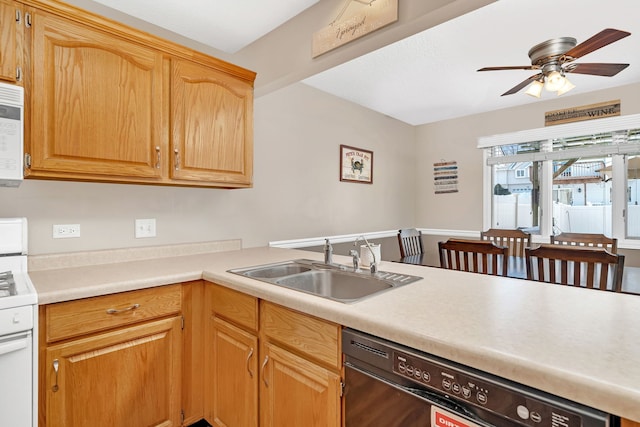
x: 517, y: 269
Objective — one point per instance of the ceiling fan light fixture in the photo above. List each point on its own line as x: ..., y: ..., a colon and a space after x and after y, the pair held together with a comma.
x: 554, y: 81
x: 535, y: 89
x: 566, y: 87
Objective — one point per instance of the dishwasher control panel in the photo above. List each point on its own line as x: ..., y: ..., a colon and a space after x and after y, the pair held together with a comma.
x: 476, y: 391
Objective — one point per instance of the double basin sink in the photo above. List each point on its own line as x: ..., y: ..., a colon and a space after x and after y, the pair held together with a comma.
x: 332, y: 281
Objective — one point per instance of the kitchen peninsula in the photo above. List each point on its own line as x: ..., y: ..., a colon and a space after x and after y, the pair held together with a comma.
x: 579, y: 344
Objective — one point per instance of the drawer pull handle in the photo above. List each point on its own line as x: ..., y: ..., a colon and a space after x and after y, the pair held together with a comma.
x: 55, y: 369
x: 114, y: 311
x: 249, y: 359
x: 264, y: 364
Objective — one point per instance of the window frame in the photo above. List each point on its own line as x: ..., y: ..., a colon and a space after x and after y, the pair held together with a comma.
x: 546, y: 136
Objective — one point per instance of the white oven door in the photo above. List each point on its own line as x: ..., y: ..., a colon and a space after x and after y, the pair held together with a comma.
x: 16, y: 370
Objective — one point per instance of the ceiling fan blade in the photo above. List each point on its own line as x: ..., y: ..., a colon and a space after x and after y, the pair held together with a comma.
x: 596, y: 69
x: 517, y: 67
x: 603, y: 38
x: 521, y: 85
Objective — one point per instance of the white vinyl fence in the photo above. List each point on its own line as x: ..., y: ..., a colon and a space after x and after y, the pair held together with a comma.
x: 514, y: 211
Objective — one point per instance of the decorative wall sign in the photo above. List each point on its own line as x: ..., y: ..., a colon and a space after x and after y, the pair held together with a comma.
x: 356, y: 19
x: 445, y: 177
x: 585, y: 112
x: 356, y: 165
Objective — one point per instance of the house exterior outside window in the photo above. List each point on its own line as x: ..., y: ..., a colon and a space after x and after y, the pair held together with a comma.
x: 580, y: 177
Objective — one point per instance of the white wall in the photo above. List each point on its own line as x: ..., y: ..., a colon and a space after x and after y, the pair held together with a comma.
x: 296, y: 193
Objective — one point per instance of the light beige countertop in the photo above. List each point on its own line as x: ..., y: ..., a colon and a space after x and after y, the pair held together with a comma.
x: 580, y: 344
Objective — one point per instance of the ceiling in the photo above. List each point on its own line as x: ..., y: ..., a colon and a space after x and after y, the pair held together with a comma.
x: 227, y: 25
x: 432, y: 75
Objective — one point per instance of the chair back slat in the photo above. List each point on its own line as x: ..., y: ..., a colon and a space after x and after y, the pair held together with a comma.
x: 515, y: 240
x: 586, y: 239
x: 477, y: 256
x: 410, y: 242
x: 589, y: 267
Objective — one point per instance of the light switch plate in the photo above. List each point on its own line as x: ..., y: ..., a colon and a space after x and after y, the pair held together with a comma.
x: 145, y: 228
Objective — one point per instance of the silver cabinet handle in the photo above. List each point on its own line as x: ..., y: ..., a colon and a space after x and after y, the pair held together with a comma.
x: 264, y: 364
x: 115, y: 311
x: 157, y: 157
x: 248, y: 359
x: 176, y: 155
x: 56, y: 365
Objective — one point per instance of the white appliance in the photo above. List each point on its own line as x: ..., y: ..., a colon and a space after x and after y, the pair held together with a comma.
x: 11, y: 135
x: 18, y: 329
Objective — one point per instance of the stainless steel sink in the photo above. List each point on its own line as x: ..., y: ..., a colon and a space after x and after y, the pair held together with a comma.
x: 275, y: 271
x: 336, y: 282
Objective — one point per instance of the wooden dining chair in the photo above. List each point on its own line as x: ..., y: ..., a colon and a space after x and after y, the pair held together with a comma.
x: 586, y: 239
x: 593, y: 268
x: 515, y: 240
x: 410, y: 241
x: 476, y: 256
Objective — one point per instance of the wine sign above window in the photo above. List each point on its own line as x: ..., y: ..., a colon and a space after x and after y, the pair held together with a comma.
x: 355, y: 19
x: 585, y: 112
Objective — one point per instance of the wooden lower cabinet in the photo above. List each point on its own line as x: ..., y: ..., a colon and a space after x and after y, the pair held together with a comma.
x: 293, y: 380
x: 234, y: 370
x: 113, y: 360
x: 296, y: 392
x: 629, y: 423
x: 122, y: 378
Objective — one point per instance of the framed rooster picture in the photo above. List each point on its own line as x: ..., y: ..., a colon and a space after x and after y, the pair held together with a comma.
x: 356, y: 165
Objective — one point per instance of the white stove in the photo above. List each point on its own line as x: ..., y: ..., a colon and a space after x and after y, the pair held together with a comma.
x: 18, y: 328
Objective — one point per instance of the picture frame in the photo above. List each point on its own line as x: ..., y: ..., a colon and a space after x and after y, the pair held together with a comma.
x: 356, y: 165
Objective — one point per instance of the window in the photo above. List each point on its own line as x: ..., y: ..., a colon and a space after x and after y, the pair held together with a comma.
x: 548, y: 180
x: 522, y: 173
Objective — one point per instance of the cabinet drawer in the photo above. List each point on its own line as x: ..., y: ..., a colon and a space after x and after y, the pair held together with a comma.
x: 74, y: 318
x: 315, y: 338
x: 235, y: 307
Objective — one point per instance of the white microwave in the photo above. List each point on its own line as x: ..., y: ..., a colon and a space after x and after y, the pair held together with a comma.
x: 11, y: 135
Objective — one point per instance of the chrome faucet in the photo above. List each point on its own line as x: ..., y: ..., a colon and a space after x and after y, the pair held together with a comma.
x: 328, y: 252
x: 356, y: 259
x: 374, y: 263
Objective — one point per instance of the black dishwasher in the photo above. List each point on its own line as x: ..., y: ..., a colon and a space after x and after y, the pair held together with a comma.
x: 389, y: 385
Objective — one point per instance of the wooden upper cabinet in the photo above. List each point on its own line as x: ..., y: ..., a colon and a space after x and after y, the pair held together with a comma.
x: 10, y: 26
x: 97, y: 104
x: 212, y: 126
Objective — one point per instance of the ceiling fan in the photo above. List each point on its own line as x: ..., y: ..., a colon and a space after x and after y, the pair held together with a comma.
x: 554, y: 59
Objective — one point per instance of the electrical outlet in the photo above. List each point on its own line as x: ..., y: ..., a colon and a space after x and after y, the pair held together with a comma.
x: 65, y: 231
x: 145, y: 228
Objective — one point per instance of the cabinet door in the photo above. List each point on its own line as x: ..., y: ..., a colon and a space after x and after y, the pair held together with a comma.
x: 97, y: 104
x: 8, y: 38
x: 234, y: 400
x: 212, y: 126
x: 127, y: 377
x: 295, y: 392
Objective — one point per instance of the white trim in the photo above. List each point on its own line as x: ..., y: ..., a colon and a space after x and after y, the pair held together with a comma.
x: 319, y: 241
x: 345, y: 238
x: 468, y: 234
x: 487, y: 191
x: 609, y: 124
